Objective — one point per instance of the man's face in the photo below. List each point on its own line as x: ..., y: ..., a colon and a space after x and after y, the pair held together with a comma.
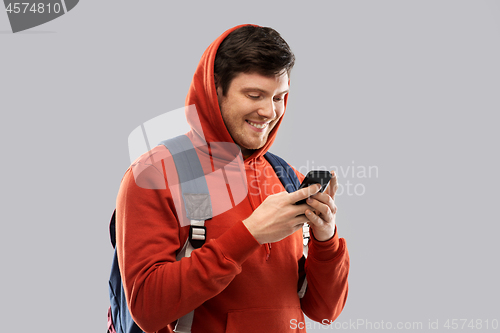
x: 251, y: 108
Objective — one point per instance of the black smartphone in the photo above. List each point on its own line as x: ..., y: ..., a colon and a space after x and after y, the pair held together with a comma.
x: 315, y: 177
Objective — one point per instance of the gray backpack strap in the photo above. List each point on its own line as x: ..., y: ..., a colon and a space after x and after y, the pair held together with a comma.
x: 192, y: 178
x: 196, y: 202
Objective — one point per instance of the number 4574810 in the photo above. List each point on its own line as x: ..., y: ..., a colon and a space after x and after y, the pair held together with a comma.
x: 471, y: 323
x: 23, y: 7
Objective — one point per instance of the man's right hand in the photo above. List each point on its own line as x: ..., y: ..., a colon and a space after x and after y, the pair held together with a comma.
x: 278, y: 216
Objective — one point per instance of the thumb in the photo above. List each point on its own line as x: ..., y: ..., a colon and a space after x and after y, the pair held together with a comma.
x: 333, y: 186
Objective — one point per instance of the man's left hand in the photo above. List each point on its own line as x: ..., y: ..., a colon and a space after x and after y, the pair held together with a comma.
x: 322, y: 215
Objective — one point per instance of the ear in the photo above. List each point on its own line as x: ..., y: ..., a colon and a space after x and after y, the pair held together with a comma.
x: 216, y: 81
x: 218, y: 89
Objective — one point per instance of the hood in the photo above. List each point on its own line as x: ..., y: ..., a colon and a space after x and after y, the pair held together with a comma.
x: 203, y: 95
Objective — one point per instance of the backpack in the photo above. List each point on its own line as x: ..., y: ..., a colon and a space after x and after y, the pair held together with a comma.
x: 192, y: 181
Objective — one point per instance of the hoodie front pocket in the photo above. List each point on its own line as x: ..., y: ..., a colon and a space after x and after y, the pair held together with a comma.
x: 283, y: 320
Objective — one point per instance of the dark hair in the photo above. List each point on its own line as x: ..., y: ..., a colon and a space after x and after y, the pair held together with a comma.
x: 251, y: 49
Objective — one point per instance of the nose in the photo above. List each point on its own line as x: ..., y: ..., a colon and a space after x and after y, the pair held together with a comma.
x: 267, y: 109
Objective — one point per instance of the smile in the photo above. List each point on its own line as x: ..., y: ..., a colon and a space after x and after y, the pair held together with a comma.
x: 259, y: 126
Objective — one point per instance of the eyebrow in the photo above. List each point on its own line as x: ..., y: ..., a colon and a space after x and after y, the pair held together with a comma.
x: 246, y: 89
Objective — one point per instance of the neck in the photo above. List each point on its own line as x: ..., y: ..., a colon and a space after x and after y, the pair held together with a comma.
x: 246, y: 152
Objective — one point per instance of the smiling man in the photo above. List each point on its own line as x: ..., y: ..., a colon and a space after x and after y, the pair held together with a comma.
x: 248, y: 274
x: 252, y: 107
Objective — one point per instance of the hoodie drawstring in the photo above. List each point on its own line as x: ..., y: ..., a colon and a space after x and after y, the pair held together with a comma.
x: 268, y: 251
x: 252, y: 165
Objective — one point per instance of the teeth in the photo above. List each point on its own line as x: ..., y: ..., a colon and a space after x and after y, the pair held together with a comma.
x: 261, y: 126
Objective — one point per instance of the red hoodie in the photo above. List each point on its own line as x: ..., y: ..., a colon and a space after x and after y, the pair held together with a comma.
x: 234, y: 283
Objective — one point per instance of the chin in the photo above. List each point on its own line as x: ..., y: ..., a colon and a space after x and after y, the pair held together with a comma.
x: 255, y: 147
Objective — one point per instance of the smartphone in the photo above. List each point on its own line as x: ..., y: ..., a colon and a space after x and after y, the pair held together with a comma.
x: 315, y: 177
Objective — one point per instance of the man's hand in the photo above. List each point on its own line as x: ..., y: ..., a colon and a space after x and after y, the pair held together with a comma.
x: 278, y: 216
x: 322, y: 219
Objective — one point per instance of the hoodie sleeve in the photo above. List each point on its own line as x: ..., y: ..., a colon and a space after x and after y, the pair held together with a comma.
x: 159, y: 289
x: 326, y: 270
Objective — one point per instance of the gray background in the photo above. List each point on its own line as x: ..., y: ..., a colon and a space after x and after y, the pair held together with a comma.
x: 411, y: 87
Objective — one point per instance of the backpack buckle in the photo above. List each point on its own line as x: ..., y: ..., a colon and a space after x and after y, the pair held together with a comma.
x: 197, y: 236
x: 306, y: 235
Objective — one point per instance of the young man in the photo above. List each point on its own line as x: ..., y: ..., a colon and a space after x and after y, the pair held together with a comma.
x: 246, y: 277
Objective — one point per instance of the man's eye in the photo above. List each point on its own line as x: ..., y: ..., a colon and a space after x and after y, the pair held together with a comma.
x: 254, y: 96
x: 278, y: 99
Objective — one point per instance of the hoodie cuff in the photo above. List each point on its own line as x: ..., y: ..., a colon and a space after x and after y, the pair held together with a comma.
x: 324, y: 251
x: 237, y: 243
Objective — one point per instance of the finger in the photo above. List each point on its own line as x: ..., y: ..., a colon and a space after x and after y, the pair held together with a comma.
x: 298, y: 221
x: 320, y: 207
x: 333, y: 186
x: 325, y: 199
x: 325, y: 212
x: 304, y: 193
x: 314, y: 219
